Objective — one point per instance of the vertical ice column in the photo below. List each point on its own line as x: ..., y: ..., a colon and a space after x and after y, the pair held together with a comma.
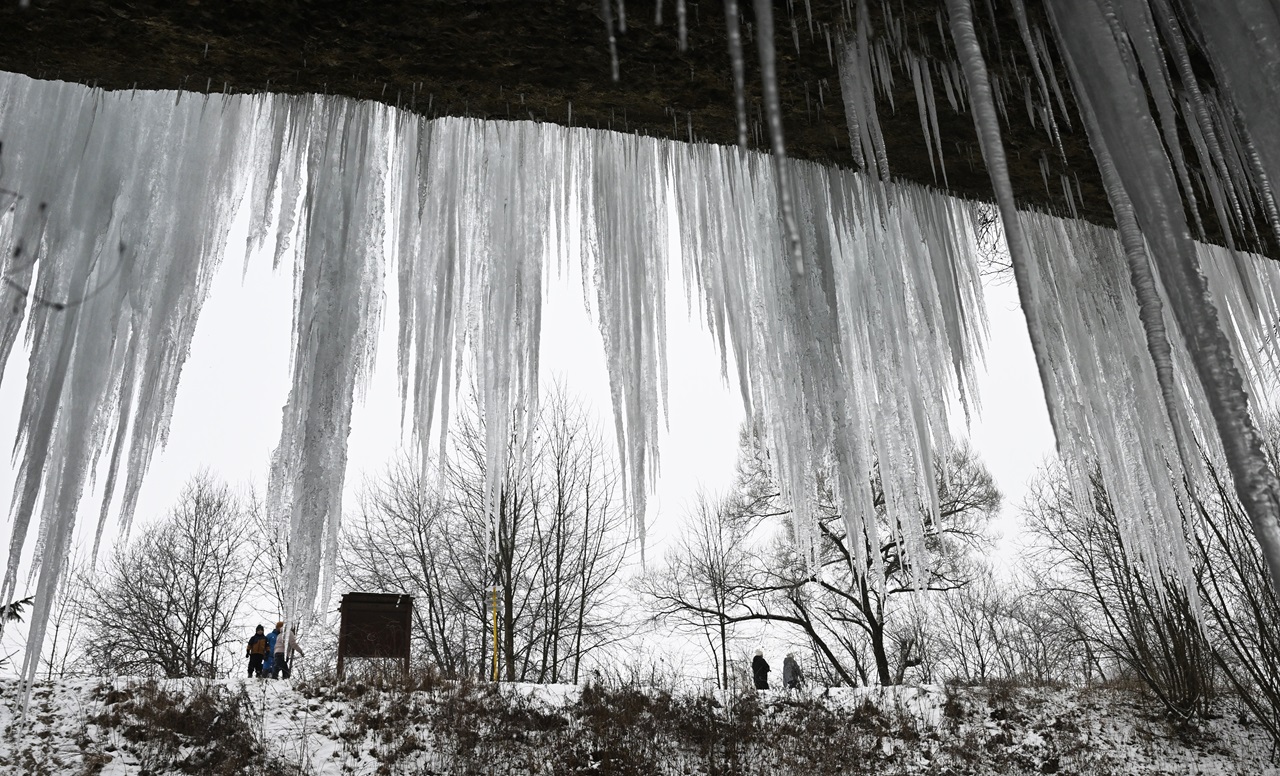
x: 987, y: 123
x: 337, y: 297
x: 622, y: 181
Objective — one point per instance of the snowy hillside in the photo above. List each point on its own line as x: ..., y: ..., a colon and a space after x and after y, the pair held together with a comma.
x: 127, y: 726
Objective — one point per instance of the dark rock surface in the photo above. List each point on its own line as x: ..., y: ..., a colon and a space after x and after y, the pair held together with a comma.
x: 549, y: 61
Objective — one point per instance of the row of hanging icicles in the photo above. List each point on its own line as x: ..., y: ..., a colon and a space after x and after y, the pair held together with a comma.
x: 851, y: 306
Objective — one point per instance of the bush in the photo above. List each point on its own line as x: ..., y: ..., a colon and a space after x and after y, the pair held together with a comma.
x: 200, y: 728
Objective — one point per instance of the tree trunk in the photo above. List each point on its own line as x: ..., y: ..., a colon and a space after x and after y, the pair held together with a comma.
x: 724, y: 655
x: 878, y: 651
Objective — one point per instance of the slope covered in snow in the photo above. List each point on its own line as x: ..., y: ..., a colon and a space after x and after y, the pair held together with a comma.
x: 126, y: 727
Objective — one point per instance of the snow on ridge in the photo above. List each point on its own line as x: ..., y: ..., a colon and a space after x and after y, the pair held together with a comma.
x: 102, y: 725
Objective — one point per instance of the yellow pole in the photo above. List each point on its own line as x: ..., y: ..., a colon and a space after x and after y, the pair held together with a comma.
x: 495, y: 633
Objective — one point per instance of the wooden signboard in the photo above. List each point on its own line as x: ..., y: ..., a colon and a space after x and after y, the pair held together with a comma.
x: 375, y: 625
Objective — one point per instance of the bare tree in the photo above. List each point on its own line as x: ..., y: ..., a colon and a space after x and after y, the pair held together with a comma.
x: 859, y: 626
x: 550, y: 551
x: 1141, y: 617
x: 1010, y: 629
x: 972, y: 626
x: 707, y: 576
x: 1242, y: 608
x: 65, y: 631
x: 166, y: 602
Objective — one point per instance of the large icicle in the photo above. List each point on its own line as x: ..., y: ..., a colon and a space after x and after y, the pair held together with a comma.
x: 987, y: 122
x: 623, y: 180
x: 337, y: 299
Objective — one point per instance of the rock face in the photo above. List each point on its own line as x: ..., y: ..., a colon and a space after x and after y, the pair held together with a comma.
x: 550, y: 61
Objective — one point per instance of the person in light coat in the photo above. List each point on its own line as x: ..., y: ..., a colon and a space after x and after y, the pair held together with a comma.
x: 285, y: 647
x: 791, y: 678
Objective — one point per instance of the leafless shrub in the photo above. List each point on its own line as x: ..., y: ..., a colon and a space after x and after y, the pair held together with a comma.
x: 167, y: 601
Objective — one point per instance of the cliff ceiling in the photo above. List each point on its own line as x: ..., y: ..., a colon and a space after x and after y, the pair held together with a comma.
x: 550, y: 61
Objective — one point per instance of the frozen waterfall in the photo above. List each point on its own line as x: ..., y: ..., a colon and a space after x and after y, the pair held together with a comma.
x: 122, y: 215
x: 120, y: 212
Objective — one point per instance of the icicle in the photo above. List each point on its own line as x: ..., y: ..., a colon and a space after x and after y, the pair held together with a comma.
x: 682, y: 25
x: 1150, y: 306
x: 1024, y: 29
x: 926, y: 128
x: 337, y: 294
x: 988, y: 127
x: 773, y: 112
x: 1068, y: 194
x: 734, y: 29
x: 606, y: 13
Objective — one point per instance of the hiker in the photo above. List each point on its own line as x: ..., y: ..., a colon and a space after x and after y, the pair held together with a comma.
x: 270, y: 661
x: 256, y: 651
x: 791, y: 678
x: 286, y: 644
x: 760, y: 670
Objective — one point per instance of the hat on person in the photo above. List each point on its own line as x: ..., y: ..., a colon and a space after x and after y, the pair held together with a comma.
x: 759, y: 653
x: 259, y: 627
x: 280, y: 624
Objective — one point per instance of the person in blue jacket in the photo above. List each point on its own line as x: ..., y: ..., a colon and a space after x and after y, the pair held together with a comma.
x: 269, y: 663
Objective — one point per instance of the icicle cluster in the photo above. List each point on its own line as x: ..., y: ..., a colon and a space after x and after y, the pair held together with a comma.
x: 123, y: 214
x: 1117, y: 71
x: 1133, y: 103
x: 852, y: 306
x: 119, y: 209
x: 853, y: 362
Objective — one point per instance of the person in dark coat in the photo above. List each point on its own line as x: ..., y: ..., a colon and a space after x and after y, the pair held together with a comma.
x: 791, y: 678
x: 760, y: 670
x: 256, y: 651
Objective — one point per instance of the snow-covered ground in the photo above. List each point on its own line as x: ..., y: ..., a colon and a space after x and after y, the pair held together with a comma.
x: 128, y: 726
